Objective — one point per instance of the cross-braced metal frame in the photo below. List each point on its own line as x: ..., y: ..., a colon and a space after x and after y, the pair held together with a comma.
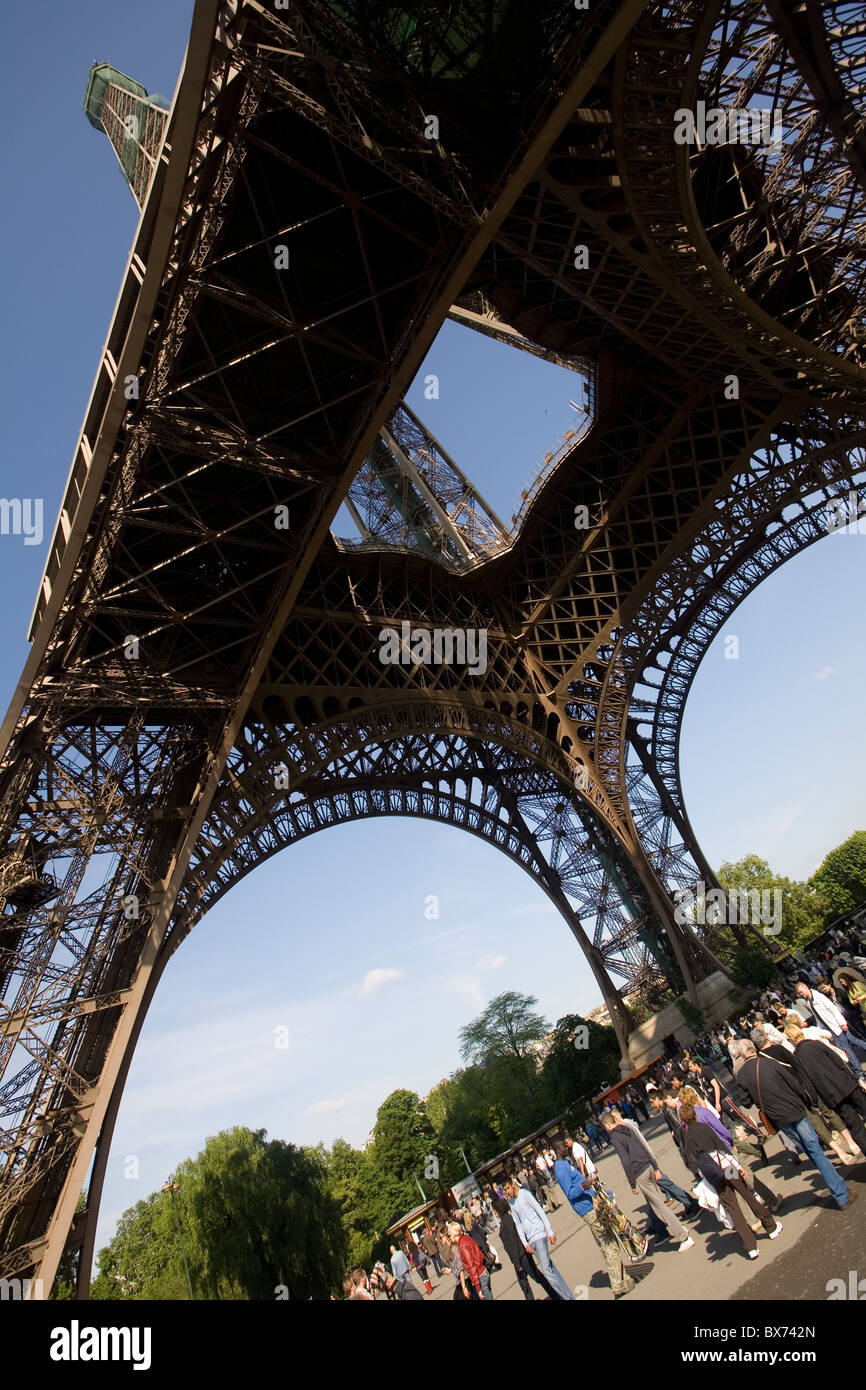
x: 206, y: 685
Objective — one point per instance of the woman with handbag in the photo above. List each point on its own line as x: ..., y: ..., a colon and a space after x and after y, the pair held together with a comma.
x: 709, y: 1158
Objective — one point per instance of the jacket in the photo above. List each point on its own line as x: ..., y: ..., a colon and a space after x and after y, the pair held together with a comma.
x: 828, y: 1013
x: 473, y: 1260
x: 635, y: 1129
x: 632, y: 1154
x: 784, y: 1101
x: 570, y: 1180
x: 510, y: 1239
x: 406, y: 1291
x: 700, y: 1142
x: 530, y: 1220
x: 709, y: 1118
x: 825, y: 1073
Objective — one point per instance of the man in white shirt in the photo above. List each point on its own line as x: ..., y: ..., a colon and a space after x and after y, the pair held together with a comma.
x: 831, y: 1016
x: 582, y: 1160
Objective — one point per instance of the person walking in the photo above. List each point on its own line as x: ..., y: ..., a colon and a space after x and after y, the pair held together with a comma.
x: 472, y: 1260
x: 578, y: 1193
x: 420, y: 1255
x: 831, y: 1016
x: 714, y: 1162
x: 430, y: 1246
x: 642, y: 1178
x: 856, y: 992
x: 639, y: 1104
x: 822, y: 1117
x: 464, y: 1289
x: 664, y: 1103
x: 775, y: 1088
x: 400, y: 1266
x: 667, y: 1185
x: 524, y: 1265
x: 593, y: 1136
x: 832, y: 1081
x: 537, y: 1234
x: 581, y: 1159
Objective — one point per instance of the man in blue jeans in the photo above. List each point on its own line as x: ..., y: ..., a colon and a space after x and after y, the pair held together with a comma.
x: 535, y: 1231
x: 775, y: 1088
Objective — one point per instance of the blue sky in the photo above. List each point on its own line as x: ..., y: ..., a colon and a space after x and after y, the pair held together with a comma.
x: 330, y: 941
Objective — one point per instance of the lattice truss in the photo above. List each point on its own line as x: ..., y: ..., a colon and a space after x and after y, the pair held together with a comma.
x: 786, y: 216
x: 503, y: 794
x: 409, y: 494
x: 804, y: 485
x: 135, y: 127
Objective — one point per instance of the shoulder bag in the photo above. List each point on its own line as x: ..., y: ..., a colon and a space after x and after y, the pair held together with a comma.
x: 768, y: 1124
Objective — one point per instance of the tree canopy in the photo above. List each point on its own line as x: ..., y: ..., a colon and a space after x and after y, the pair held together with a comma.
x: 506, y: 1028
x: 803, y: 905
x: 841, y: 879
x: 250, y: 1216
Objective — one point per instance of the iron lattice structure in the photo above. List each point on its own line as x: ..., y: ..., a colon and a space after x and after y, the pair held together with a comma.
x: 204, y: 686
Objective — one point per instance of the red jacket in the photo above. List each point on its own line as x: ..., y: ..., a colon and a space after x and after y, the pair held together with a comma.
x: 473, y: 1259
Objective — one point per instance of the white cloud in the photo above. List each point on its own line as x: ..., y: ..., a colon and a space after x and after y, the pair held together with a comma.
x: 469, y: 986
x: 374, y: 979
x: 325, y: 1107
x: 536, y: 909
x: 827, y: 671
x: 490, y: 962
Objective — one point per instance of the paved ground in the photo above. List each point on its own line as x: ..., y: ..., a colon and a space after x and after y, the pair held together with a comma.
x: 818, y: 1242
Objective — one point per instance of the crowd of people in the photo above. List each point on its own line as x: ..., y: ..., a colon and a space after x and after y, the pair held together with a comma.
x: 791, y: 1066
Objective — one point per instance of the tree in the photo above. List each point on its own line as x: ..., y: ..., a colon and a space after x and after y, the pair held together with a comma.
x: 752, y: 968
x: 507, y: 1027
x: 403, y: 1140
x: 466, y: 1123
x: 250, y: 1216
x: 143, y: 1258
x: 841, y: 878
x: 694, y: 1017
x: 583, y: 1055
x: 802, y: 905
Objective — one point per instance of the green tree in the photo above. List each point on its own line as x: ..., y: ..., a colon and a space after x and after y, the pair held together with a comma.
x: 694, y: 1017
x: 253, y: 1215
x: 583, y: 1057
x: 803, y: 906
x: 465, y: 1121
x: 752, y: 967
x: 352, y: 1182
x: 403, y: 1140
x: 143, y: 1258
x: 507, y: 1027
x: 841, y: 878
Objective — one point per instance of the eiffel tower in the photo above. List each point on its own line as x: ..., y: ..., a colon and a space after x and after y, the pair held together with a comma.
x: 206, y: 685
